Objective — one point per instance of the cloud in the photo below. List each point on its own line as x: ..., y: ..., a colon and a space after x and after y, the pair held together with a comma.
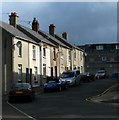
x: 85, y: 22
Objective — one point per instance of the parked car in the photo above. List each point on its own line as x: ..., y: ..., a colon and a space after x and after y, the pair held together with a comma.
x: 101, y: 74
x: 86, y: 77
x: 115, y: 75
x: 21, y: 91
x: 72, y: 77
x: 55, y: 84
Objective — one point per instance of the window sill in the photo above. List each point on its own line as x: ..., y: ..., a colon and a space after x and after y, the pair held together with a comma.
x: 36, y: 81
x: 34, y: 59
x: 62, y: 58
x: 19, y: 55
x: 44, y: 57
x: 19, y: 81
x: 54, y: 59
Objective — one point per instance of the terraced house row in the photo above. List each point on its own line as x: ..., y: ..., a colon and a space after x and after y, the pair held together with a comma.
x: 30, y: 55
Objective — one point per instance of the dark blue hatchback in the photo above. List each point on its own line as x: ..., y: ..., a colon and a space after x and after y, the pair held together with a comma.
x: 55, y: 84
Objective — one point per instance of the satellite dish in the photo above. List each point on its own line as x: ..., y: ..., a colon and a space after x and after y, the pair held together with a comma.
x: 19, y: 44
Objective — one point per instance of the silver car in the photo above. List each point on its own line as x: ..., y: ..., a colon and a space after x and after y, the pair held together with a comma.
x: 72, y: 77
x: 101, y: 74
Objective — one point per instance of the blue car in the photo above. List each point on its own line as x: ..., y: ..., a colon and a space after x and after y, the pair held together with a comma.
x: 55, y: 84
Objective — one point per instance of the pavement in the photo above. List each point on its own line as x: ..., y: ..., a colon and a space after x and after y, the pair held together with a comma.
x: 111, y: 95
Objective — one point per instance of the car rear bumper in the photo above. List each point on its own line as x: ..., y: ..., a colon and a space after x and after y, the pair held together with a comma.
x: 20, y: 97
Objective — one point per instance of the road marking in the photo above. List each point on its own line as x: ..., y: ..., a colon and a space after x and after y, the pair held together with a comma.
x: 89, y: 99
x: 21, y: 111
x: 110, y: 88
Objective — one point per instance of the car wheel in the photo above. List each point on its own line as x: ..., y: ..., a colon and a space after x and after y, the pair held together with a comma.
x: 74, y: 84
x: 31, y: 98
x: 45, y: 91
x: 66, y: 86
x: 79, y: 83
x: 60, y: 89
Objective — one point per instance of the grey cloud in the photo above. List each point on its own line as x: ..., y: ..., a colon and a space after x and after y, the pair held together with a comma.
x: 84, y: 22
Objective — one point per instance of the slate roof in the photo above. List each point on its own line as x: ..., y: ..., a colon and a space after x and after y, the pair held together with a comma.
x: 34, y: 35
x: 66, y: 42
x: 52, y: 39
x: 15, y: 32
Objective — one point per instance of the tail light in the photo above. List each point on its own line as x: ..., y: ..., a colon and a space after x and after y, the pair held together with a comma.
x: 27, y: 91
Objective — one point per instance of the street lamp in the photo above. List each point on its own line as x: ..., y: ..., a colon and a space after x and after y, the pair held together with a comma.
x: 18, y: 44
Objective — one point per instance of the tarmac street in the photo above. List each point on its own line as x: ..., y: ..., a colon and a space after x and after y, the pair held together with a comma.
x: 70, y: 103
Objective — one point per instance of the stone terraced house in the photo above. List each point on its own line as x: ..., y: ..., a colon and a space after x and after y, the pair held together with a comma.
x: 32, y: 55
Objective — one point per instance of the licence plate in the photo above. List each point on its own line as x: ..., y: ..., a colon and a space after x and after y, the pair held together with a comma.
x: 19, y: 92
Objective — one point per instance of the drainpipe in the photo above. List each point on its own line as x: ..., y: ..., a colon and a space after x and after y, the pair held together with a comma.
x: 72, y: 60
x: 13, y: 48
x: 28, y: 62
x: 41, y: 64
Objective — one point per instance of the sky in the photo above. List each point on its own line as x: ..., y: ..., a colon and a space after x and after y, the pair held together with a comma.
x: 85, y: 22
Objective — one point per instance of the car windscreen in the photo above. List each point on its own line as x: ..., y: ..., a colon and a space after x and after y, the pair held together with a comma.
x: 50, y: 82
x: 21, y: 86
x: 67, y: 75
x: 101, y: 72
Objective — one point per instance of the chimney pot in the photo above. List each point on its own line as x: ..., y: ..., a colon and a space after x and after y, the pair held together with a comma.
x: 13, y: 19
x: 64, y: 35
x: 52, y: 29
x: 35, y: 25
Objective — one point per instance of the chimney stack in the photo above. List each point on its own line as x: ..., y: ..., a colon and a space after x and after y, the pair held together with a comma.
x: 35, y: 25
x: 52, y: 29
x: 64, y: 35
x: 13, y: 19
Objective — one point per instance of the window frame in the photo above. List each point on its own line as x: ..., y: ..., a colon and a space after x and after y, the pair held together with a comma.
x: 117, y: 47
x: 99, y: 47
x: 44, y: 52
x: 54, y: 54
x: 104, y: 58
x: 35, y: 74
x: 20, y: 49
x: 34, y: 52
x: 69, y: 55
x: 19, y: 72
